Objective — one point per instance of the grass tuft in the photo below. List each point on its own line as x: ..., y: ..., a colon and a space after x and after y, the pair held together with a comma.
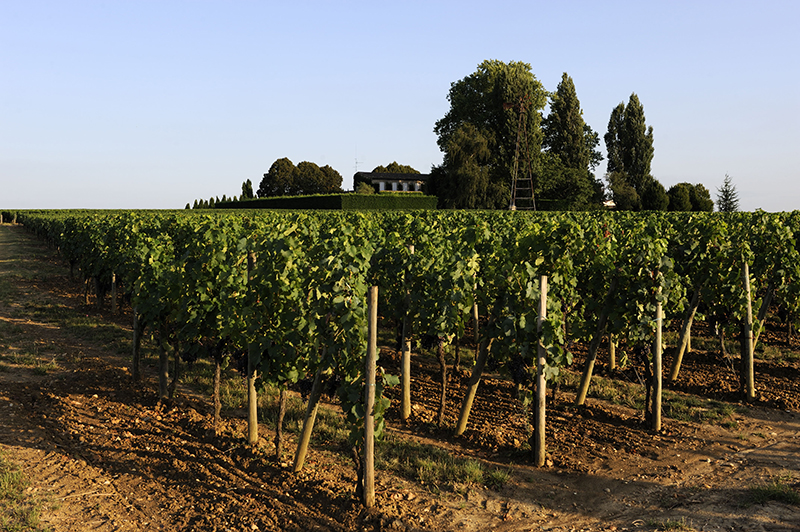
x: 777, y: 490
x: 18, y: 512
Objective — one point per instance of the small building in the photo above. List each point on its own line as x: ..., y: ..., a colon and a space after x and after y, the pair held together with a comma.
x: 388, y: 182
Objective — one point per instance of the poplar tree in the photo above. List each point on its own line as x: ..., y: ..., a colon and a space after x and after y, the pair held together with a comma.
x: 629, y: 144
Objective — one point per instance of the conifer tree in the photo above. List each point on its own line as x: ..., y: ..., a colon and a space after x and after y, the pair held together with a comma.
x: 727, y: 197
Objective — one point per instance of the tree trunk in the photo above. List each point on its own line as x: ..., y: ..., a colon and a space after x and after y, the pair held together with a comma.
x: 308, y: 422
x: 163, y: 367
x: 282, y: 400
x: 762, y: 312
x: 217, y: 383
x: 588, y: 368
x: 472, y: 384
x: 685, y: 336
x: 176, y: 357
x: 443, y: 376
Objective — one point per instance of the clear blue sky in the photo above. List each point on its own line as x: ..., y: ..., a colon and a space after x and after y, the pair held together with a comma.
x: 152, y: 104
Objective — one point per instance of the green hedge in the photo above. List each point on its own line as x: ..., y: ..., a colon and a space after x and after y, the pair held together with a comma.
x: 346, y: 202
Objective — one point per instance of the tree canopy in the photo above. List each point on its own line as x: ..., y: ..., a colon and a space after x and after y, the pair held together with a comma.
x: 629, y: 145
x: 394, y: 168
x: 286, y: 179
x: 688, y: 197
x: 571, y: 153
x: 484, y: 117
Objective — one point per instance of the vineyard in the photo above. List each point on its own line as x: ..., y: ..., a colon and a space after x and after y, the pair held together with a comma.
x: 522, y: 303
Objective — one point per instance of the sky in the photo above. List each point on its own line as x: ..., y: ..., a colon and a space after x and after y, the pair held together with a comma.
x: 153, y: 104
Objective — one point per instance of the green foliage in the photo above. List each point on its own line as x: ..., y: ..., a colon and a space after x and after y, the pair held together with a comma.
x: 394, y: 168
x: 629, y: 144
x: 571, y: 145
x: 484, y: 116
x: 364, y: 188
x: 654, y: 196
x: 247, y: 190
x: 688, y: 197
x: 679, y: 197
x: 286, y: 179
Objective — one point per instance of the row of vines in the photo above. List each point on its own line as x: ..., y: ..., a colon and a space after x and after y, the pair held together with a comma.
x: 285, y: 294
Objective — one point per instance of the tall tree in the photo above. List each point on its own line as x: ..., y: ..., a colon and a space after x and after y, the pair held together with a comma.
x: 727, y: 197
x: 629, y: 145
x: 247, y: 190
x: 567, y: 174
x: 490, y: 101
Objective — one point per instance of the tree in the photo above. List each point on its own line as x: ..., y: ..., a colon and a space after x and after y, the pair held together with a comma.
x: 727, y: 197
x: 279, y: 181
x: 625, y: 196
x: 700, y: 198
x: 679, y: 197
x: 629, y: 145
x: 484, y: 111
x: 286, y: 179
x: 654, y: 195
x: 571, y: 143
x: 394, y: 168
x: 462, y: 181
x: 247, y: 190
x: 688, y: 197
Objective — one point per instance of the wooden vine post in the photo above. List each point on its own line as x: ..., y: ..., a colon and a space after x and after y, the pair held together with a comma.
x: 113, y: 293
x: 138, y: 329
x: 405, y: 405
x: 657, y: 379
x: 369, y: 400
x: 748, y: 379
x: 541, y: 381
x: 252, y: 374
x: 612, y: 353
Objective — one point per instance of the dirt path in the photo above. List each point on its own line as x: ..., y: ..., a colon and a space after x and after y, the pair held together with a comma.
x: 104, y: 455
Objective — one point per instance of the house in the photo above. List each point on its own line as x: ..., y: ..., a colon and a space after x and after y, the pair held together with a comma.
x: 387, y: 182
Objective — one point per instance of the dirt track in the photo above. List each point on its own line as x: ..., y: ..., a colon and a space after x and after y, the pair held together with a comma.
x: 108, y: 457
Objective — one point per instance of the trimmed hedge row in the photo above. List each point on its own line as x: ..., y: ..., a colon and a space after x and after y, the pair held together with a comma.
x: 345, y: 202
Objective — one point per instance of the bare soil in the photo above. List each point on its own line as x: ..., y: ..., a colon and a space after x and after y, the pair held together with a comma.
x: 103, y: 454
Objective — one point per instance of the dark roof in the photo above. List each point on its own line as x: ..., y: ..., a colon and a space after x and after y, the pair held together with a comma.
x: 386, y: 176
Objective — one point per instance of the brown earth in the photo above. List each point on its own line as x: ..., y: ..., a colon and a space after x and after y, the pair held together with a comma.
x: 103, y: 454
